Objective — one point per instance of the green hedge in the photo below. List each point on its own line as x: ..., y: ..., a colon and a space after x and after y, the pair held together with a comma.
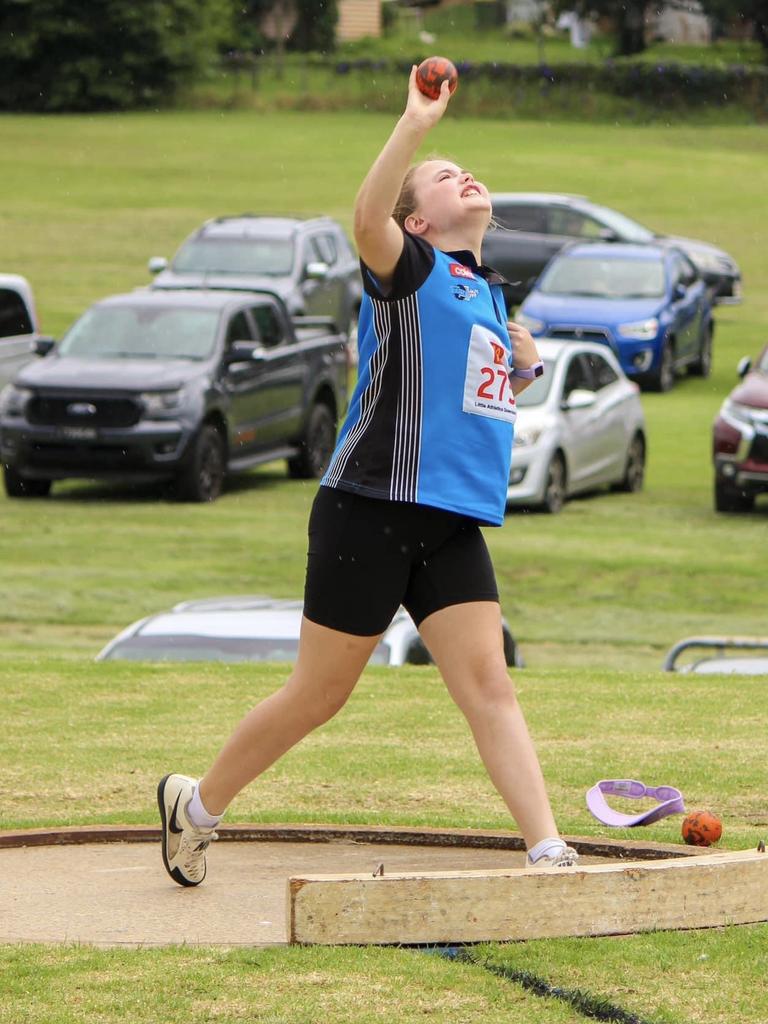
x: 626, y: 90
x: 665, y: 85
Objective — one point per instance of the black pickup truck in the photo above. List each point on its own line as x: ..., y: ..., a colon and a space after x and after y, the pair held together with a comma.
x: 180, y: 385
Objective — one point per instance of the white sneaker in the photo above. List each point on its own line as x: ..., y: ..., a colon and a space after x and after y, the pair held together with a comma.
x: 565, y: 858
x: 184, y: 844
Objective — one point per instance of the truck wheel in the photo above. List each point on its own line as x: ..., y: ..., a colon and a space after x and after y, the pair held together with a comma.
x: 702, y: 367
x: 512, y: 655
x: 202, y: 479
x: 663, y: 379
x: 554, y: 492
x: 316, y: 445
x: 19, y: 486
x: 731, y: 499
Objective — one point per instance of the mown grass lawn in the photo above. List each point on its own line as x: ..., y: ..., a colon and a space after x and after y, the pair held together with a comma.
x: 86, y: 743
x: 595, y: 595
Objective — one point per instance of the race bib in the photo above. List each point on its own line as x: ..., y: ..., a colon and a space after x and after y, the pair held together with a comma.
x: 487, y: 391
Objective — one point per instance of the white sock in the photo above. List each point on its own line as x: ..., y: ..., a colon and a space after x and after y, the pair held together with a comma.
x: 197, y: 813
x: 546, y: 848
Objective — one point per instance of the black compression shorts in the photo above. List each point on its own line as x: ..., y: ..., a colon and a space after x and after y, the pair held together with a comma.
x: 368, y: 556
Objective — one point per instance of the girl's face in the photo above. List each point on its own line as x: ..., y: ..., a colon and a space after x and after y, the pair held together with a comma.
x: 447, y: 197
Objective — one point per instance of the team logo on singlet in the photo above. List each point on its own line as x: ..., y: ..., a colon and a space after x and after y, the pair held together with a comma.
x: 459, y: 270
x: 463, y: 292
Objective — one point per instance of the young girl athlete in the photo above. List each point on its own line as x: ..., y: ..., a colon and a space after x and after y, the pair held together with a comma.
x: 422, y: 459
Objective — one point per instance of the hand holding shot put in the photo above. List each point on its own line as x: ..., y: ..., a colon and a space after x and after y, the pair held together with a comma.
x: 421, y: 464
x: 429, y: 101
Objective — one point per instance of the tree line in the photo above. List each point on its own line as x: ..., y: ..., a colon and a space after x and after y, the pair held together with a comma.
x: 77, y: 55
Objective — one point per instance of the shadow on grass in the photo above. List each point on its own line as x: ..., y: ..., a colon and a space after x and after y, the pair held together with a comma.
x: 126, y: 491
x: 583, y: 498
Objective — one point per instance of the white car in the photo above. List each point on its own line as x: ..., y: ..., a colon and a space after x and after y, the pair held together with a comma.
x: 254, y: 628
x: 18, y: 325
x: 579, y: 427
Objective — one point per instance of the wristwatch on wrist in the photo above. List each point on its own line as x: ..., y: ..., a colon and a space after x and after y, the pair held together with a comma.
x: 529, y: 372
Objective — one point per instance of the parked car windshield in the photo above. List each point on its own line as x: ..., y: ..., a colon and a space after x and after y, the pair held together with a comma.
x: 536, y: 392
x: 596, y: 277
x: 142, y: 332
x: 259, y: 256
x: 14, y: 315
x: 626, y: 228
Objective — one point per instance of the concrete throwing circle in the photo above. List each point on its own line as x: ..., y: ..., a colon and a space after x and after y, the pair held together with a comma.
x: 106, y: 886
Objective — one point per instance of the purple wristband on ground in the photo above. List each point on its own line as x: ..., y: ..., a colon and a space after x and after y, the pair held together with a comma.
x: 671, y: 802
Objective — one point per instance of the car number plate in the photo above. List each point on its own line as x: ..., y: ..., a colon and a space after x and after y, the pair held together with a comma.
x: 79, y: 433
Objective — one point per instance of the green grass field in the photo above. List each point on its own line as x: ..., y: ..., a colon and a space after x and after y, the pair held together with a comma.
x: 595, y: 595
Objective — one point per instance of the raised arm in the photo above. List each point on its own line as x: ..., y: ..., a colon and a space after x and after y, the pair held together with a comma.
x: 379, y: 239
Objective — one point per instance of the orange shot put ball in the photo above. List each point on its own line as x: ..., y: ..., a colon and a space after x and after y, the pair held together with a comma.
x: 701, y: 828
x: 431, y: 74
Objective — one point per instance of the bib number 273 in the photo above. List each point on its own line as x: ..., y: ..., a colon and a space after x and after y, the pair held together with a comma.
x: 487, y: 391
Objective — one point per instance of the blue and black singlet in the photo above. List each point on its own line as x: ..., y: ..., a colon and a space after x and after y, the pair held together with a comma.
x: 431, y: 419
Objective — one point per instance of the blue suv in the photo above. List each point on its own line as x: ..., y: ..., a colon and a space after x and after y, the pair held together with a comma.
x: 646, y: 302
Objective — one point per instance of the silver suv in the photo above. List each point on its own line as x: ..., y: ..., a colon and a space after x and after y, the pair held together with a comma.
x: 308, y: 263
x: 532, y: 227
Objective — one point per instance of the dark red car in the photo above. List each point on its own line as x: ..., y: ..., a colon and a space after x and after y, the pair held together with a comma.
x: 740, y: 439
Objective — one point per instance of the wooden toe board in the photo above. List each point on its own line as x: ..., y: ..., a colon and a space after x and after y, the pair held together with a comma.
x: 529, y: 903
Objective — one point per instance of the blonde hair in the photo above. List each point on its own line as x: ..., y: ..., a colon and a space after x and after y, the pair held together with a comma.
x: 406, y: 199
x: 405, y: 204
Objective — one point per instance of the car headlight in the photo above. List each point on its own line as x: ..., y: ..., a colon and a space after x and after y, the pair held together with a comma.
x: 640, y: 330
x: 530, y: 323
x: 526, y: 436
x: 162, y: 403
x: 13, y: 400
x: 707, y: 261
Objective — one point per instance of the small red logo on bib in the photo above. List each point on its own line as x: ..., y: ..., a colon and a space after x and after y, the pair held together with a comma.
x: 499, y: 354
x: 459, y: 270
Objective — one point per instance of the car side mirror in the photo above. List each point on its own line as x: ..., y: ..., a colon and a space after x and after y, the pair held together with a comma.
x: 579, y: 398
x: 156, y: 264
x: 316, y: 271
x: 607, y: 235
x: 245, y: 352
x: 679, y: 291
x: 743, y: 366
x: 43, y: 345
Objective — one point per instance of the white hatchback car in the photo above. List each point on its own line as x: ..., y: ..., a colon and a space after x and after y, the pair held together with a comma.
x: 579, y: 427
x: 254, y: 628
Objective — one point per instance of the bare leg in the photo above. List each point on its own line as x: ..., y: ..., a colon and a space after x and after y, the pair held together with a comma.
x: 328, y: 667
x: 466, y: 642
